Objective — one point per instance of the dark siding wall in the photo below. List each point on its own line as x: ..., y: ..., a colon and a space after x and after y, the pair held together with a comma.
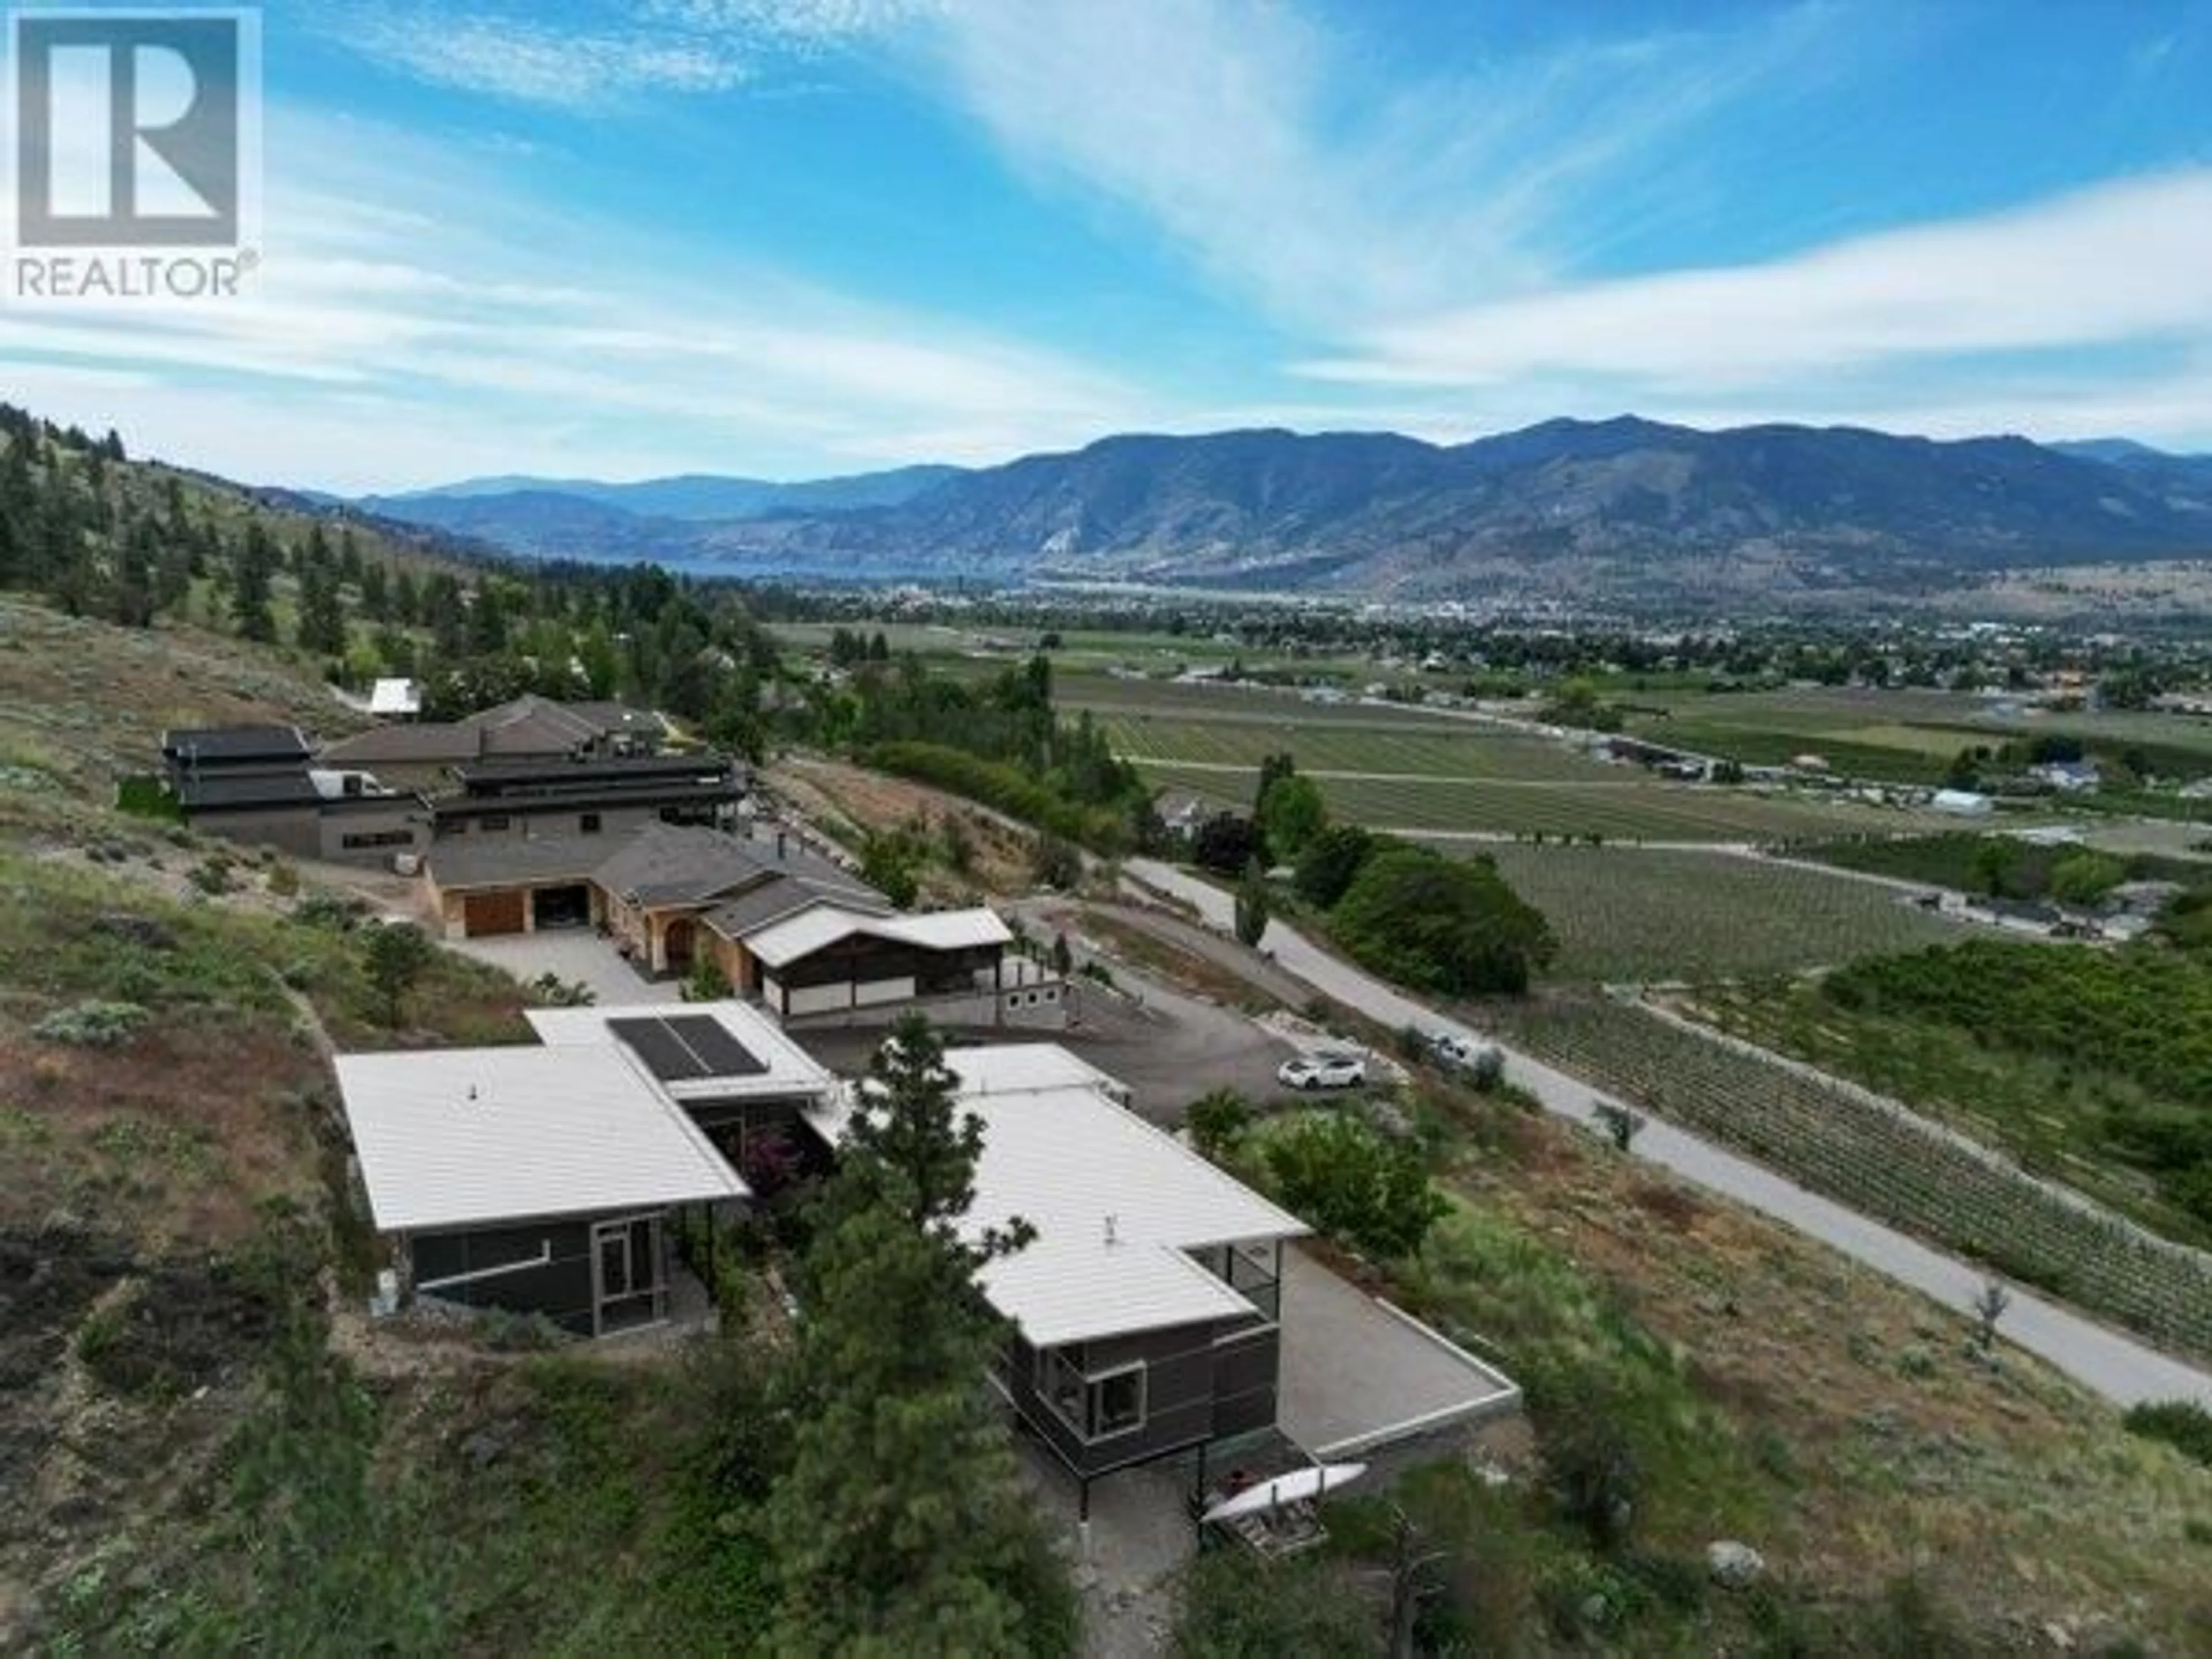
x: 1247, y: 1370
x: 1186, y: 1372
x: 561, y: 1290
x: 297, y: 830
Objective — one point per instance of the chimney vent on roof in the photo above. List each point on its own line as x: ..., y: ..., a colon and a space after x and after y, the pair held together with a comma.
x: 1110, y: 1239
x: 472, y: 1093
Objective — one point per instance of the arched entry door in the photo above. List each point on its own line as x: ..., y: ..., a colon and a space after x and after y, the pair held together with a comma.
x: 678, y: 943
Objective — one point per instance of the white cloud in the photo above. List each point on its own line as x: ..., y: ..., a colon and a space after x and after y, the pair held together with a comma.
x: 614, y: 51
x: 1262, y: 146
x: 2121, y: 263
x: 476, y: 317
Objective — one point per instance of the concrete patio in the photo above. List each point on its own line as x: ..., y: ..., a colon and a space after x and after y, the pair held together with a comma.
x: 1358, y: 1373
x: 575, y: 955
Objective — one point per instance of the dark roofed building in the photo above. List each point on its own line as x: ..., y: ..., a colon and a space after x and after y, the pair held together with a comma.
x: 255, y: 784
x: 229, y: 746
x: 528, y: 728
x: 523, y: 799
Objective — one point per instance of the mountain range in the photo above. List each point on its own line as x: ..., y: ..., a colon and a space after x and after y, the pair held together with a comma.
x: 1567, y: 508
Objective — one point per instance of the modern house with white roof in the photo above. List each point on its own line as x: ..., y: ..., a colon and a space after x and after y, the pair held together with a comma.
x: 1146, y: 1311
x: 542, y: 1179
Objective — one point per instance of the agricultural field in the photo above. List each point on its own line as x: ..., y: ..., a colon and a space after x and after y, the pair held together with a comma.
x: 1380, y: 745
x: 1843, y: 1146
x: 2086, y: 1066
x: 1903, y: 736
x: 1662, y: 914
x: 1623, y: 805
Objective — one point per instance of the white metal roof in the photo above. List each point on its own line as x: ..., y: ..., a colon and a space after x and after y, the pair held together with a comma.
x: 1059, y: 1152
x: 395, y: 696
x: 1008, y: 1067
x: 789, y: 1069
x: 801, y: 935
x: 454, y: 1137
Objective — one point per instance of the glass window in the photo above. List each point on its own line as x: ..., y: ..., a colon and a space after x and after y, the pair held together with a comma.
x: 1117, y: 1402
x: 1097, y: 1407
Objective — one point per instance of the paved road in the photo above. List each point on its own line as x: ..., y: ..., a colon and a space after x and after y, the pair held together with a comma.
x: 2115, y: 1366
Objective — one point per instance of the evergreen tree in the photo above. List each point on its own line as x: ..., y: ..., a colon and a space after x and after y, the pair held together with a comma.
x: 1252, y: 906
x: 254, y: 575
x: 900, y: 1526
x: 376, y: 593
x: 322, y: 627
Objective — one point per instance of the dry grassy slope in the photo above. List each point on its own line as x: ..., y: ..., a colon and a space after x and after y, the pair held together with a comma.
x: 159, y: 1195
x: 84, y: 702
x: 1866, y: 1442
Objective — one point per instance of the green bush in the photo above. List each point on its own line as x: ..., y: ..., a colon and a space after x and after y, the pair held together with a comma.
x: 1307, y: 1606
x: 93, y: 1025
x: 1448, y: 926
x: 1340, y: 1176
x: 2182, y: 1423
x: 1218, y: 1121
x: 1328, y: 863
x: 1008, y: 789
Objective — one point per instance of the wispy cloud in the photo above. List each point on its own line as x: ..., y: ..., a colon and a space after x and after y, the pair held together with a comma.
x: 2121, y: 263
x: 1260, y: 144
x: 457, y: 317
x: 611, y: 52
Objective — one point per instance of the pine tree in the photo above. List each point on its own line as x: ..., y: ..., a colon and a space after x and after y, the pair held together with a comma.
x: 322, y: 627
x: 254, y: 571
x: 899, y: 1526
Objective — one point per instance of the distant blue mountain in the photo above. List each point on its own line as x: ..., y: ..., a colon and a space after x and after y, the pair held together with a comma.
x: 699, y: 496
x: 1594, y: 508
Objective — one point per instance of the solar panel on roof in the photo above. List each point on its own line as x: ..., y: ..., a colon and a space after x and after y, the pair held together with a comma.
x: 664, y: 1054
x: 723, y: 1054
x: 685, y: 1049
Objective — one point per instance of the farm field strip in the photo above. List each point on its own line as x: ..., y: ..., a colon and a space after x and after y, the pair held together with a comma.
x: 1648, y: 915
x: 1382, y: 747
x: 1636, y: 810
x: 1847, y: 1149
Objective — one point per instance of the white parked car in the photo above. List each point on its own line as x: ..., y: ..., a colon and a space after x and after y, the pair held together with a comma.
x: 1323, y: 1071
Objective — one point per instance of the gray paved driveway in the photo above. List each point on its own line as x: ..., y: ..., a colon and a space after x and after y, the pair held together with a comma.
x: 2117, y: 1366
x: 574, y: 954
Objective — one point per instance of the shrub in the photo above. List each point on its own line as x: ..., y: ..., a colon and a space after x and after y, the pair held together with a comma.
x: 708, y: 982
x: 334, y: 911
x: 1304, y: 1605
x: 211, y: 875
x: 93, y: 1025
x: 1341, y: 1175
x: 283, y: 879
x: 1590, y: 1469
x: 1450, y: 926
x: 1227, y: 843
x: 1056, y: 863
x: 1328, y: 863
x: 1218, y: 1121
x: 2182, y: 1423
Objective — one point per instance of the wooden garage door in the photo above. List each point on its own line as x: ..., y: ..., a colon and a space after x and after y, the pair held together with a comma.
x: 495, y: 913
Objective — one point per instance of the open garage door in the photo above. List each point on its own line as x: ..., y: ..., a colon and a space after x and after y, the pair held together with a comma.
x: 495, y: 913
x: 561, y: 906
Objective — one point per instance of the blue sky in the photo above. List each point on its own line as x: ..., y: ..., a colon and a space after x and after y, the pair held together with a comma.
x: 797, y: 237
